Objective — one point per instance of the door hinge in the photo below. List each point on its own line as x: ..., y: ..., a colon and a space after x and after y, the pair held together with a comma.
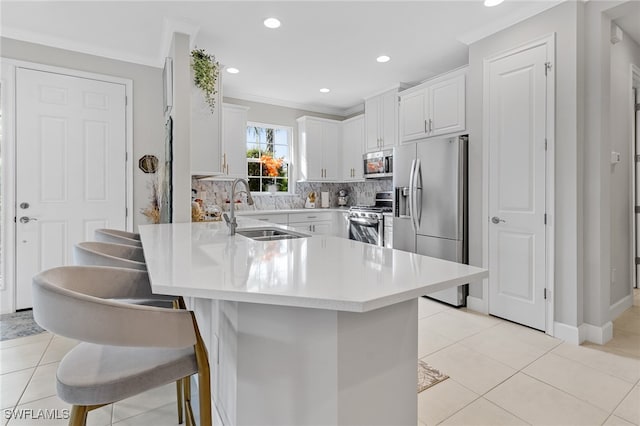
x: 637, y: 209
x: 126, y: 156
x: 126, y: 100
x: 545, y: 144
x: 545, y: 294
x: 637, y: 107
x: 15, y: 219
x: 637, y: 260
x: 126, y: 212
x: 545, y: 218
x: 547, y: 68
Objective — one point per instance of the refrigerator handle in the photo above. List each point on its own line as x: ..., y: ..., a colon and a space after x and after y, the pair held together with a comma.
x: 418, y: 200
x: 412, y: 195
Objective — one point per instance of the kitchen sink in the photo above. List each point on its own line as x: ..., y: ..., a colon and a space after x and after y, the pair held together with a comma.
x: 270, y: 234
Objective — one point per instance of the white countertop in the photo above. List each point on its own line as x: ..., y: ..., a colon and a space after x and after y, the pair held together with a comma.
x: 202, y: 260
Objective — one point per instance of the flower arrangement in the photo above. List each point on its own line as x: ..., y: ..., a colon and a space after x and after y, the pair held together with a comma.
x: 273, y: 165
x: 205, y: 74
x: 152, y: 211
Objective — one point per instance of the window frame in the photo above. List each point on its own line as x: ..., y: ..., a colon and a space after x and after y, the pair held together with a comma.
x: 290, y: 162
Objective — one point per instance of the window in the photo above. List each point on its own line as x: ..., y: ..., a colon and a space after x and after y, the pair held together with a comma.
x: 268, y: 157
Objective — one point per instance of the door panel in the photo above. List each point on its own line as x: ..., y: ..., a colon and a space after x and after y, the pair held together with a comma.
x: 448, y: 250
x: 517, y: 110
x: 70, y: 168
x: 440, y: 188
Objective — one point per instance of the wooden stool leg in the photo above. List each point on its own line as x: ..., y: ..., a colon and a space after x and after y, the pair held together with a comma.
x: 180, y: 400
x: 78, y: 415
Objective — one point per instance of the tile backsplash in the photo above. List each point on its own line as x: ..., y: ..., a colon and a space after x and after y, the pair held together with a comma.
x: 360, y: 193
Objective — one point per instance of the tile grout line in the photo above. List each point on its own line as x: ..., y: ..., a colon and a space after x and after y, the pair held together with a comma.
x: 35, y: 368
x: 635, y: 383
x: 620, y: 403
x: 565, y: 392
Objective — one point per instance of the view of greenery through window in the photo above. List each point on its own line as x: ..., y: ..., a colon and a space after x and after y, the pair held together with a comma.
x: 268, y: 157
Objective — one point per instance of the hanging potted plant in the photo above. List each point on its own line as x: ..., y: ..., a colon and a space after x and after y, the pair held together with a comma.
x: 205, y: 74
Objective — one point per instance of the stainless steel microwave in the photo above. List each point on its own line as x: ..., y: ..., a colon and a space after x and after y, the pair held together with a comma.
x: 378, y: 164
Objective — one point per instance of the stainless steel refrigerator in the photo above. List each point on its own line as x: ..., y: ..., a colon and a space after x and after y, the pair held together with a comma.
x: 430, y: 203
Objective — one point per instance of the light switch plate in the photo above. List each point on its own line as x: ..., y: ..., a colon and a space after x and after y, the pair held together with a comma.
x: 615, y: 157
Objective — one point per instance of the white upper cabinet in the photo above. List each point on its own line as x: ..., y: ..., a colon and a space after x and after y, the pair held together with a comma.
x: 319, y: 140
x: 436, y: 107
x: 206, y: 133
x: 234, y: 140
x: 381, y: 121
x: 352, y: 148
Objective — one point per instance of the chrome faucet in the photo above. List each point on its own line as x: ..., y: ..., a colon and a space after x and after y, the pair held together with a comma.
x: 232, y: 223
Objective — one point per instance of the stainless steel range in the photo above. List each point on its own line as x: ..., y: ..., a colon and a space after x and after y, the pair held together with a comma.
x: 366, y: 223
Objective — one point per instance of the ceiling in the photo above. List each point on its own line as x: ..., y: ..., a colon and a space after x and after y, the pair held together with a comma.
x: 330, y: 44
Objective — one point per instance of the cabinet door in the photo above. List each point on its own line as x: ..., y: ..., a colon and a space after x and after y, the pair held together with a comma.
x: 311, y: 136
x: 205, y: 135
x: 371, y: 118
x: 322, y: 228
x: 330, y: 146
x: 413, y: 116
x: 447, y: 106
x: 234, y: 141
x: 352, y: 148
x: 389, y: 119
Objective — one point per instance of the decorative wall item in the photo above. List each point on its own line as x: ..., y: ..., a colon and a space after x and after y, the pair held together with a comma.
x: 205, y: 74
x: 148, y: 163
x: 167, y: 79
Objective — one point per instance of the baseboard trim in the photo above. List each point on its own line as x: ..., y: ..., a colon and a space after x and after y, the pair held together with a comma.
x: 477, y: 304
x: 568, y: 333
x: 620, y: 306
x: 599, y: 335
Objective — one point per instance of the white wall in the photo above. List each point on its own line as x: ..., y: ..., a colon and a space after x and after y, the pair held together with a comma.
x: 148, y: 122
x: 623, y: 54
x: 561, y: 20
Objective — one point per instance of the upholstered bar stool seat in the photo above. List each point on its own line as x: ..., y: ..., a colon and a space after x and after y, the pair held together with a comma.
x: 118, y: 237
x: 121, y: 372
x: 94, y: 253
x: 126, y: 348
x: 109, y: 254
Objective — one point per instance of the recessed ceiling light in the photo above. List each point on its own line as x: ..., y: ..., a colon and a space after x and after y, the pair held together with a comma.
x: 271, y: 23
x: 491, y: 3
x: 233, y: 70
x: 383, y: 58
x: 324, y: 90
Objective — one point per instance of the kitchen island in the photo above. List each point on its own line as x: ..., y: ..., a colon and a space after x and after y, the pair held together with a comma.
x: 310, y: 331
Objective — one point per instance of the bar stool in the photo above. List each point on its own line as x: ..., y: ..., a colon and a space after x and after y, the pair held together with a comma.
x: 118, y: 237
x: 125, y: 349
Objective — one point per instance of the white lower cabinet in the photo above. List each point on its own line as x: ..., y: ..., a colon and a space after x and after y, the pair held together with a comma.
x: 279, y: 218
x: 319, y: 223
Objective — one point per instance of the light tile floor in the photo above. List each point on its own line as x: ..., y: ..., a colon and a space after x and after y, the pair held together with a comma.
x: 500, y: 374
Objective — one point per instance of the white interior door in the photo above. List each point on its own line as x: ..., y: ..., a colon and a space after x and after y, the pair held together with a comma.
x: 517, y: 131
x: 70, y: 168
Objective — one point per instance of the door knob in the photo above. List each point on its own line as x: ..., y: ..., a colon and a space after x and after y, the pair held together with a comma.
x: 25, y: 219
x: 496, y: 220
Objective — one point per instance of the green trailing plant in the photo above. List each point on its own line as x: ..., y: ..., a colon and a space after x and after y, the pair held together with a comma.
x: 205, y: 74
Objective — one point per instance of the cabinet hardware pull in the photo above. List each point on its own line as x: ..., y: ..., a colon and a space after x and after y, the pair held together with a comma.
x: 430, y: 125
x: 425, y: 126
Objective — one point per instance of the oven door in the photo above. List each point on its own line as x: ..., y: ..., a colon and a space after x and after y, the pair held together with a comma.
x: 367, y: 230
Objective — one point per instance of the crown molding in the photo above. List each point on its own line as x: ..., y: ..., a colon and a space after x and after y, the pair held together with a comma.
x: 77, y: 46
x: 498, y: 25
x: 322, y: 109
